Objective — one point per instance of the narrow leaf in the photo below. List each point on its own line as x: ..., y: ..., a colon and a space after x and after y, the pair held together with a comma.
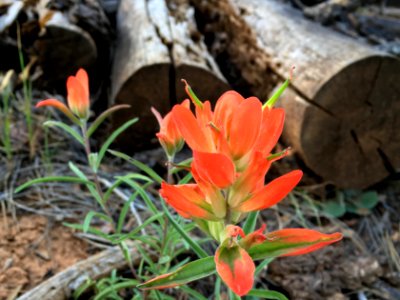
x: 138, y: 164
x: 66, y: 128
x: 138, y: 228
x: 192, y: 243
x: 52, y: 179
x: 250, y: 224
x: 91, y: 187
x: 114, y: 288
x: 192, y: 271
x: 266, y: 294
x: 90, y: 215
x: 262, y: 265
x: 104, y: 115
x: 112, y: 137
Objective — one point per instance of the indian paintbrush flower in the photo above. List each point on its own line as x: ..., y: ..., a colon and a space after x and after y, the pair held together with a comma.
x: 230, y: 154
x: 234, y: 257
x: 232, y: 148
x: 169, y: 136
x: 77, y: 96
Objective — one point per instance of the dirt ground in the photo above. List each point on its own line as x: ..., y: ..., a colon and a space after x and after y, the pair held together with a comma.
x: 31, y: 250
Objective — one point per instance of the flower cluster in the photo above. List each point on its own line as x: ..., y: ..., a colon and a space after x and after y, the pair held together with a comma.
x: 231, y: 155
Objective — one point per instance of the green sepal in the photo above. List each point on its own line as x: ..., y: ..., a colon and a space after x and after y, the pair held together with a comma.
x: 192, y: 95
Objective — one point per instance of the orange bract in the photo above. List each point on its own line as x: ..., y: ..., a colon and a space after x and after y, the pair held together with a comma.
x: 236, y: 268
x: 169, y: 135
x: 308, y: 240
x: 77, y: 95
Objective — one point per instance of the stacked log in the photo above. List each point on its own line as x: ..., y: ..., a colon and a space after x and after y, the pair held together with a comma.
x: 157, y: 45
x: 342, y: 108
x: 60, y: 36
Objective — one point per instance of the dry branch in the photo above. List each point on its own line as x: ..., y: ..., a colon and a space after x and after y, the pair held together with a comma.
x: 63, y: 285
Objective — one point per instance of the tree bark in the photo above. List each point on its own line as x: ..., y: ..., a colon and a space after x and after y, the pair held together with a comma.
x: 74, y: 35
x: 157, y: 45
x: 342, y: 107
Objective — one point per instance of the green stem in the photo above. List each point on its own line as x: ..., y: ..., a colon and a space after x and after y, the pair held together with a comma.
x: 166, y: 220
x: 99, y: 190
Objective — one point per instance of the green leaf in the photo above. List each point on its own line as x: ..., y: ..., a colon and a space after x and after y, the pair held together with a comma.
x: 335, y: 208
x: 124, y: 211
x: 112, y: 137
x: 217, y: 288
x: 262, y: 265
x: 105, y: 114
x: 52, y: 179
x: 186, y: 178
x: 139, y: 228
x: 266, y: 294
x: 193, y: 293
x: 90, y: 230
x: 138, y: 164
x: 115, y: 287
x: 82, y: 288
x: 192, y: 271
x: 126, y: 252
x: 192, y: 243
x: 66, y: 128
x: 368, y: 200
x: 91, y: 187
x: 120, y: 181
x: 90, y: 215
x: 271, y: 101
x: 164, y: 259
x: 233, y: 296
x: 250, y: 224
x: 142, y: 194
x: 295, y: 240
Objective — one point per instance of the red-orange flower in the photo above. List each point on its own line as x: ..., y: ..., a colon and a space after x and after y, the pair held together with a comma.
x: 234, y: 258
x: 188, y: 200
x: 231, y: 148
x: 77, y: 95
x: 169, y: 136
x: 236, y: 268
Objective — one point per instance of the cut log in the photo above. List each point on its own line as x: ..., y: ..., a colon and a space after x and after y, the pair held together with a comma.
x: 157, y: 45
x: 74, y: 35
x: 64, y: 284
x: 343, y: 108
x: 54, y: 47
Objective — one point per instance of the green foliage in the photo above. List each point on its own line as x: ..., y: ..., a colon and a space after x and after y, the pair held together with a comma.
x: 67, y: 129
x: 192, y: 271
x: 266, y: 294
x: 350, y: 201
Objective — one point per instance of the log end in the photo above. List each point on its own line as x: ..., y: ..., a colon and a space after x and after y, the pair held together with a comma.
x: 159, y: 86
x: 205, y: 84
x: 347, y: 133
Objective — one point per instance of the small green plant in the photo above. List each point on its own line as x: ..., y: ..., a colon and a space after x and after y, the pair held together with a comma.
x: 27, y: 92
x: 350, y: 201
x: 6, y: 113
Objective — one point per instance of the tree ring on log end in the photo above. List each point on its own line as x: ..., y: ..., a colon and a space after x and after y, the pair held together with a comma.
x: 348, y: 131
